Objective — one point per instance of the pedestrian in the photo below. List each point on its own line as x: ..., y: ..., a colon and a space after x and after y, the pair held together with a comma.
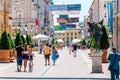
x: 19, y: 51
x: 70, y: 48
x: 25, y: 56
x: 54, y: 55
x: 47, y: 53
x: 41, y: 49
x: 114, y: 58
x: 74, y: 50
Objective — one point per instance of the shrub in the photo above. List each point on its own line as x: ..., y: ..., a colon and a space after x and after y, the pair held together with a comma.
x: 5, y: 41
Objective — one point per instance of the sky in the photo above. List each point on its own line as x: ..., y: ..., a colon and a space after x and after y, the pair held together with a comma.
x: 85, y: 5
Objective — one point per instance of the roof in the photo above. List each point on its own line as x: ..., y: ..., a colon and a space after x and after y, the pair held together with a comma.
x: 59, y: 31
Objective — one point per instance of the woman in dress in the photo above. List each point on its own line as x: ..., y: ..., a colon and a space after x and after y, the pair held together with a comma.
x: 25, y: 56
x: 54, y: 55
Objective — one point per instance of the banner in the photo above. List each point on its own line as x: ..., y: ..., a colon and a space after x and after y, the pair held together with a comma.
x: 110, y: 15
x: 67, y: 20
x: 69, y: 7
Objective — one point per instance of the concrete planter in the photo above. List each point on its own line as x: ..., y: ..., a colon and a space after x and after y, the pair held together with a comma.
x: 97, y: 63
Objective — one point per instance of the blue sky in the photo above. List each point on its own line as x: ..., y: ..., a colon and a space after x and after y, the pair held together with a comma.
x: 85, y: 5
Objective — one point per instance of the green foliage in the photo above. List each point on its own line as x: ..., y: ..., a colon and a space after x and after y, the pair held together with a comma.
x: 18, y: 39
x: 83, y: 42
x: 104, y: 43
x: 23, y: 39
x: 80, y: 42
x: 92, y: 42
x: 53, y: 41
x: 56, y: 42
x: 29, y: 40
x: 57, y: 27
x: 11, y: 41
x: 5, y: 41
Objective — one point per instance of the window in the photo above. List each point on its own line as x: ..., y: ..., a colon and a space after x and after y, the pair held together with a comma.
x: 75, y: 33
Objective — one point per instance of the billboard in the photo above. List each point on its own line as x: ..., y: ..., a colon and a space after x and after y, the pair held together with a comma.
x: 63, y: 16
x: 56, y: 7
x: 69, y: 7
x: 64, y: 26
x: 74, y: 7
x: 68, y: 20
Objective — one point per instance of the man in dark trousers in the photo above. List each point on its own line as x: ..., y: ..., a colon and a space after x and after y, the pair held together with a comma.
x: 19, y: 51
x: 74, y: 49
x: 114, y: 58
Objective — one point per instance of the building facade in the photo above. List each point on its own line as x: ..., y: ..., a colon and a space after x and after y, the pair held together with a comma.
x: 116, y: 24
x: 5, y: 24
x: 68, y: 35
x: 98, y: 11
x: 25, y: 13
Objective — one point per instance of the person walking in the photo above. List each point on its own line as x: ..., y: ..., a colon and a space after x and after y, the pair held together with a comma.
x: 19, y: 51
x: 54, y: 55
x: 25, y: 56
x: 70, y: 48
x: 41, y: 49
x: 74, y: 49
x: 114, y: 58
x: 47, y: 53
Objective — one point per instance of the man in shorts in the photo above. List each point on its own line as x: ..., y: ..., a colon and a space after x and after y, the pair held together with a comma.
x: 47, y: 53
x: 19, y: 51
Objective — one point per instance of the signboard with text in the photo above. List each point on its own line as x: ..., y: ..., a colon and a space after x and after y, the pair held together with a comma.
x: 68, y: 20
x: 69, y: 7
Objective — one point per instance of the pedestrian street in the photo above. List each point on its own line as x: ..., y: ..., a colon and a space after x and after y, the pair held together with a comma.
x: 67, y: 67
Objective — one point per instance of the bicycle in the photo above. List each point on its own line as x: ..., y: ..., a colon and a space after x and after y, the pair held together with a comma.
x: 30, y: 63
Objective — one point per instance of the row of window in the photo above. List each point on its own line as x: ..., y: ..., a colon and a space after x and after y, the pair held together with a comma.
x: 68, y: 34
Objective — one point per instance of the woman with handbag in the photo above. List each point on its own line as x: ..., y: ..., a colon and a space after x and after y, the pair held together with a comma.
x: 54, y: 55
x: 114, y: 58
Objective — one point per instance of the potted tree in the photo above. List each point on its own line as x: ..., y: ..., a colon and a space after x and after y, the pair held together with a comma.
x: 29, y: 41
x: 12, y: 57
x: 5, y: 47
x: 104, y: 45
x: 18, y: 39
x: 23, y: 39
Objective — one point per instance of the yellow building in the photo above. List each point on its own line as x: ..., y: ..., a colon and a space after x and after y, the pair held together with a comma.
x: 68, y: 35
x: 5, y: 16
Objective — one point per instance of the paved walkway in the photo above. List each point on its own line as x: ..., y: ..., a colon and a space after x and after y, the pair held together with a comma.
x: 67, y: 66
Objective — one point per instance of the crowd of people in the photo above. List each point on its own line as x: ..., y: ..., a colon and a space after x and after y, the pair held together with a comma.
x: 25, y: 53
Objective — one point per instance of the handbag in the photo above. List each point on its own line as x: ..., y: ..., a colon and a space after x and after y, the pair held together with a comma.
x: 110, y: 67
x: 57, y: 55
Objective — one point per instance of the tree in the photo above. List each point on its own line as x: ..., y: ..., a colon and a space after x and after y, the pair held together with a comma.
x: 53, y: 41
x: 104, y: 43
x: 5, y: 41
x: 18, y: 39
x: 92, y: 42
x: 83, y: 42
x: 57, y: 27
x: 23, y: 39
x: 11, y: 41
x: 29, y: 40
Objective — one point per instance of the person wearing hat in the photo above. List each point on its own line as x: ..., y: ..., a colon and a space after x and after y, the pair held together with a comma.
x: 114, y: 58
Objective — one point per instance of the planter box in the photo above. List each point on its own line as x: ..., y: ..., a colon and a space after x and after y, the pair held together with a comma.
x: 104, y: 55
x: 4, y: 55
